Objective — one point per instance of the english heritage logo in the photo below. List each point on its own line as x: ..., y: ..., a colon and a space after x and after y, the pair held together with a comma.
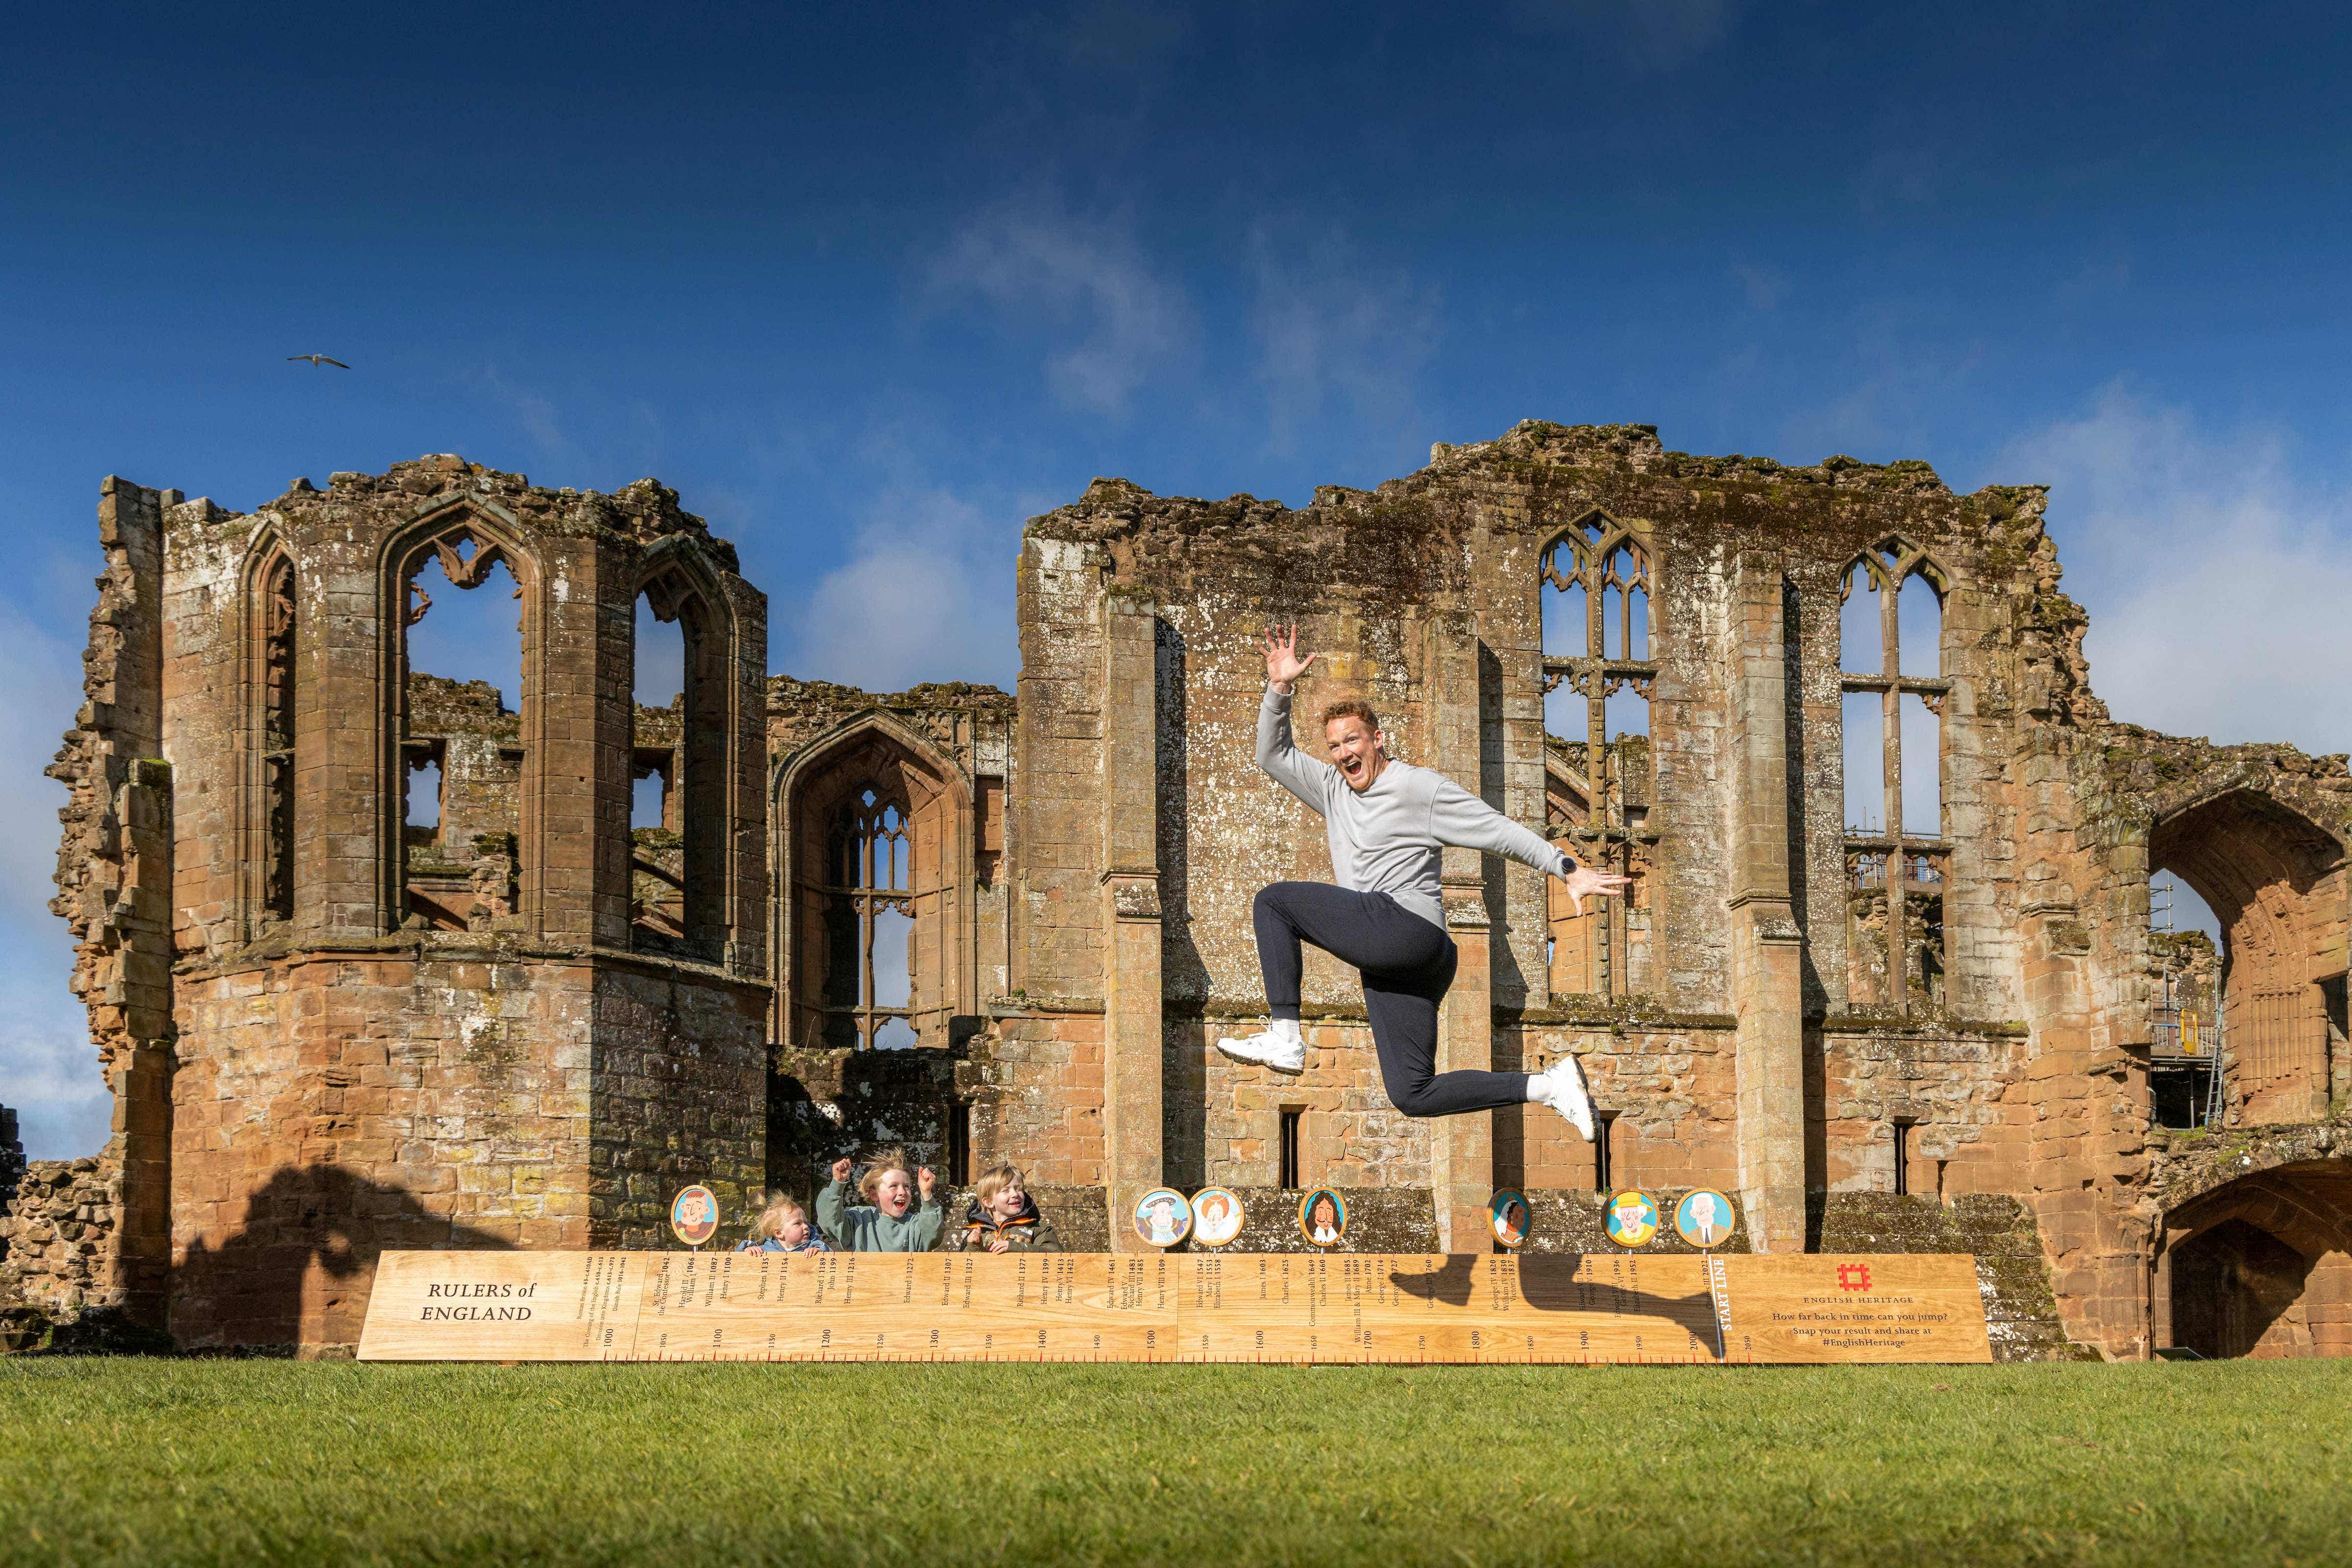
x: 1854, y: 1276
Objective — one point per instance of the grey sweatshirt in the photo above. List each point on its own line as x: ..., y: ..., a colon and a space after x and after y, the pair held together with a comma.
x: 1386, y: 839
x: 862, y: 1227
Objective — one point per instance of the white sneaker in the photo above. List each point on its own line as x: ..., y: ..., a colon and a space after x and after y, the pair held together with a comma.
x: 1284, y: 1051
x: 1561, y: 1087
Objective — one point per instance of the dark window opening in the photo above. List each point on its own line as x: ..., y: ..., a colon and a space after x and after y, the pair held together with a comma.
x: 1902, y: 1159
x: 2181, y: 1095
x: 1604, y: 1136
x: 1288, y: 1155
x: 277, y: 614
x: 959, y: 1154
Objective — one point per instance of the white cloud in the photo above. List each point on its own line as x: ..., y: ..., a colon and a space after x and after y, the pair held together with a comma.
x: 1657, y: 32
x: 48, y: 1069
x: 1082, y: 282
x: 1327, y: 325
x: 927, y: 594
x: 2216, y: 575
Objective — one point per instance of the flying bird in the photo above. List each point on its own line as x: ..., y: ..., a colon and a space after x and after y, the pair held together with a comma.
x: 317, y: 360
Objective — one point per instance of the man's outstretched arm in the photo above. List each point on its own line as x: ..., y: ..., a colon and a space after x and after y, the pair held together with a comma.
x: 1460, y: 819
x: 1302, y: 776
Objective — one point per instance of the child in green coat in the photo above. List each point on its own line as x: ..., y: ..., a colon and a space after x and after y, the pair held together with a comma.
x: 889, y: 1221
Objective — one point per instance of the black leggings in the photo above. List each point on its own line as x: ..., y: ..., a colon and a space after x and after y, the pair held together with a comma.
x: 1407, y: 964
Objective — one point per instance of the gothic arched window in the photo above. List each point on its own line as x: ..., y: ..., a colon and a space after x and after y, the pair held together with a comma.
x: 1890, y: 664
x: 870, y: 956
x: 273, y: 612
x: 1599, y: 669
x: 461, y: 749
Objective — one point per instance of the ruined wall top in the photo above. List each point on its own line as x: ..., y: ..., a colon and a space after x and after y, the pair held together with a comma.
x: 1405, y: 534
x: 438, y: 705
x: 800, y: 711
x: 1628, y: 461
x: 643, y: 511
x: 2149, y: 776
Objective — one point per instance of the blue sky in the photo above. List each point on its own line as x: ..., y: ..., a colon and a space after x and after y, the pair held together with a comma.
x: 870, y: 288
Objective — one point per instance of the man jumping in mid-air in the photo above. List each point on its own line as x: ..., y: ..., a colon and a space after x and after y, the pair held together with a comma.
x: 1386, y: 822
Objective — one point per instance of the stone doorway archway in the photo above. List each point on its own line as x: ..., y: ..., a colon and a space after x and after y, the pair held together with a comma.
x: 2260, y: 1266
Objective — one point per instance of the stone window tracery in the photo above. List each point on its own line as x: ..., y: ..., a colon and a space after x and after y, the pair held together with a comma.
x: 870, y: 919
x: 1598, y: 592
x: 275, y: 737
x: 880, y: 848
x: 1896, y: 855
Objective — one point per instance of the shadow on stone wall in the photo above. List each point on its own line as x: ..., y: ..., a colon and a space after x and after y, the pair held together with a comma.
x: 295, y: 1275
x: 2232, y: 1285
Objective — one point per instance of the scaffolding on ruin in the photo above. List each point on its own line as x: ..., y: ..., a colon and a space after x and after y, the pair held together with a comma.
x: 2176, y: 1034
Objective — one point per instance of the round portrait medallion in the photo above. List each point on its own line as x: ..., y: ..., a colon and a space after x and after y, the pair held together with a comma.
x: 694, y: 1216
x: 1704, y: 1217
x: 1323, y: 1218
x: 1162, y: 1217
x: 1216, y: 1216
x: 1632, y: 1217
x: 1508, y: 1216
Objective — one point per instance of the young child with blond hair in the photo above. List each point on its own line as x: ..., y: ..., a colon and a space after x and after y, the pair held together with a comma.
x: 1003, y: 1217
x: 889, y: 1220
x: 783, y: 1226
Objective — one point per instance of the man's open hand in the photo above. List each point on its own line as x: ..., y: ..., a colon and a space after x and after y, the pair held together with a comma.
x: 1585, y: 881
x: 1283, y: 664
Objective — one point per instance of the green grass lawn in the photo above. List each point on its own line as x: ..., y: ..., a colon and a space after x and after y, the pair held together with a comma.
x: 239, y: 1462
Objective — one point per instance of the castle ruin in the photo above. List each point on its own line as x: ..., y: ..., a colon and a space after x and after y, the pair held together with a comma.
x: 1000, y: 927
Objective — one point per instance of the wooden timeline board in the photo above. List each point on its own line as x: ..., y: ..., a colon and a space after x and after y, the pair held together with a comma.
x: 1282, y: 1308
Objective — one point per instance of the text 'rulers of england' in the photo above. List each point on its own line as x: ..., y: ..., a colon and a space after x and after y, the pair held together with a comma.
x: 1179, y: 1307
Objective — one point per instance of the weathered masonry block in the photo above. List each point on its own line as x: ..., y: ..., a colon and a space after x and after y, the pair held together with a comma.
x: 1922, y: 1004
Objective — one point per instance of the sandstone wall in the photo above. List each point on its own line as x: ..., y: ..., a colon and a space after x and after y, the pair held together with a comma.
x: 329, y: 1032
x: 58, y: 1245
x: 1373, y: 577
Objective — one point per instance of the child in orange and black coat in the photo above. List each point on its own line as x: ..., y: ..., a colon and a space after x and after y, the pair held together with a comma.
x: 1003, y: 1217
